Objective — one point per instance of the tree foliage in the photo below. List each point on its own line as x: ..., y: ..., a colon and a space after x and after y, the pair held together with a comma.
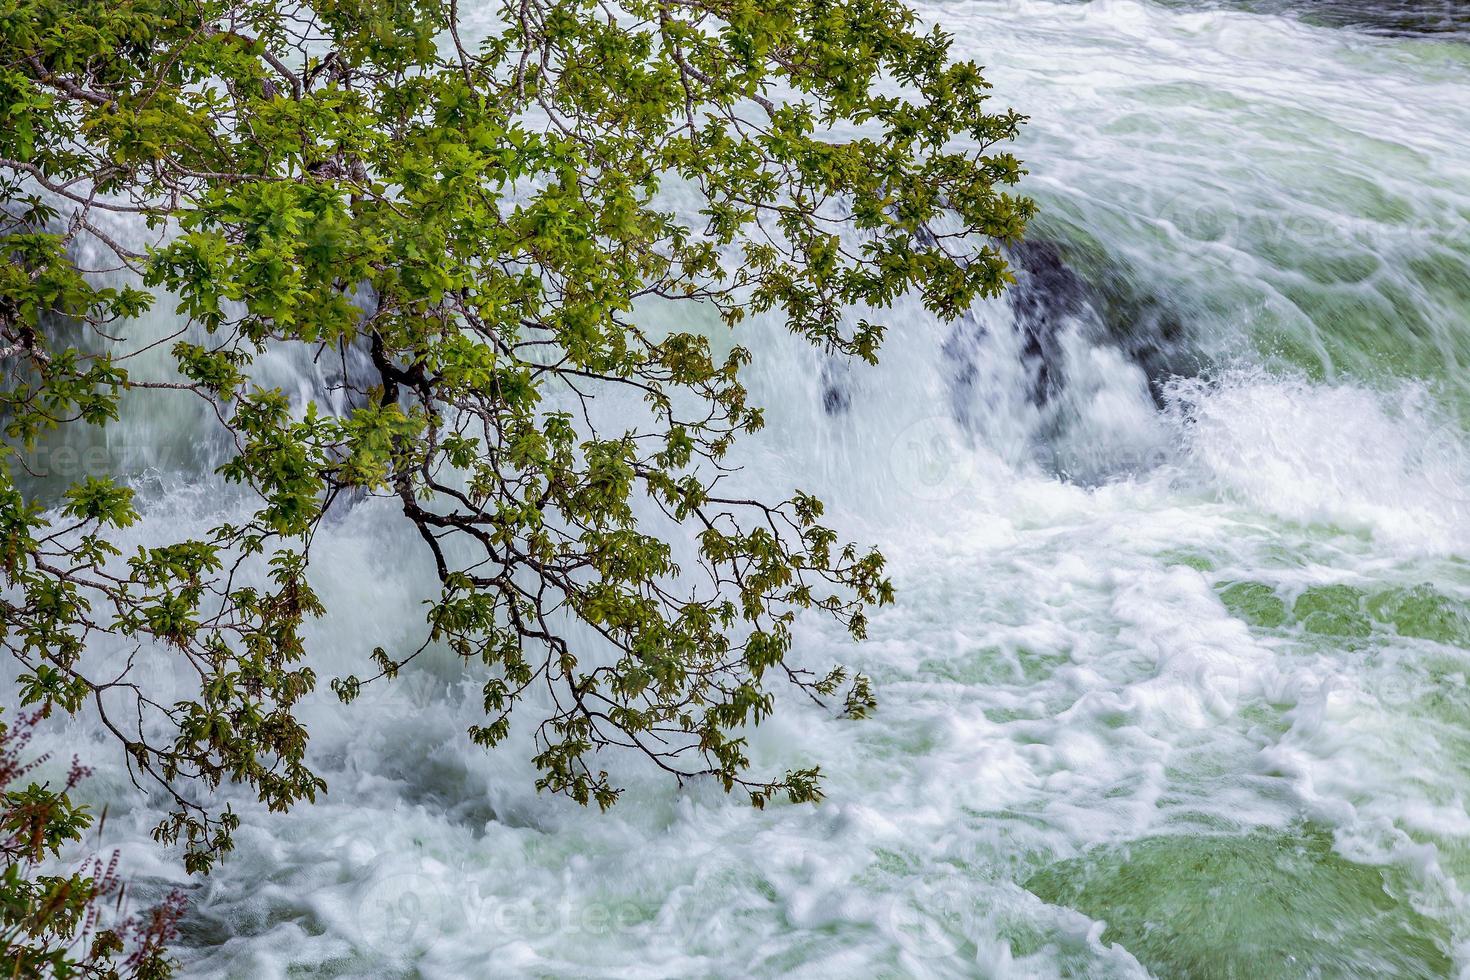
x: 51, y: 924
x: 485, y: 223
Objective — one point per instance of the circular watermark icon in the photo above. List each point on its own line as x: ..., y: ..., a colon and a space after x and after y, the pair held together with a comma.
x: 929, y: 459
x: 1444, y: 462
x: 401, y: 911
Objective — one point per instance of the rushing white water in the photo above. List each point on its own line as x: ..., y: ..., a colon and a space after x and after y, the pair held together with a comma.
x: 1177, y: 679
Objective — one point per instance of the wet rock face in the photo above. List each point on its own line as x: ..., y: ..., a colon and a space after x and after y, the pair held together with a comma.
x: 1147, y: 331
x: 1109, y: 307
x: 1396, y: 18
x: 1049, y: 297
x: 836, y: 397
x: 1073, y: 374
x: 961, y: 358
x: 1046, y: 296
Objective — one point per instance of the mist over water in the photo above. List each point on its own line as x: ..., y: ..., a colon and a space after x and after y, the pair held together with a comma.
x: 1176, y: 684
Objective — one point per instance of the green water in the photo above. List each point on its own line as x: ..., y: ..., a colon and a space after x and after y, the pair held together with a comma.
x: 1267, y: 904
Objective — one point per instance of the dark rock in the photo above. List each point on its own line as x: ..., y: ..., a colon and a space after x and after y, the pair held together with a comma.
x: 961, y: 358
x: 836, y: 398
x: 1111, y: 306
x: 1395, y: 18
x: 1046, y: 296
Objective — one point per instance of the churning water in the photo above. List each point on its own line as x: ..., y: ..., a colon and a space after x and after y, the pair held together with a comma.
x: 1177, y: 679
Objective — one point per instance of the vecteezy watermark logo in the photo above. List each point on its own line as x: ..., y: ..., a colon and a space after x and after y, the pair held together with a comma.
x: 64, y: 461
x: 562, y: 916
x: 406, y: 912
x: 930, y: 460
x: 933, y: 920
x: 402, y: 911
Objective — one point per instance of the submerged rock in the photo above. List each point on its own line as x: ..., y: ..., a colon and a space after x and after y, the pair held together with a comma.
x: 961, y: 352
x: 1118, y: 311
x: 1333, y: 610
x: 1053, y: 290
x: 836, y: 398
x: 1395, y: 18
x: 1271, y: 903
x: 1256, y: 603
x: 1423, y: 613
x: 1047, y: 293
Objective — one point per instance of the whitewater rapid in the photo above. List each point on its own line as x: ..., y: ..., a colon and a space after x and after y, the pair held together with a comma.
x: 1176, y: 683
